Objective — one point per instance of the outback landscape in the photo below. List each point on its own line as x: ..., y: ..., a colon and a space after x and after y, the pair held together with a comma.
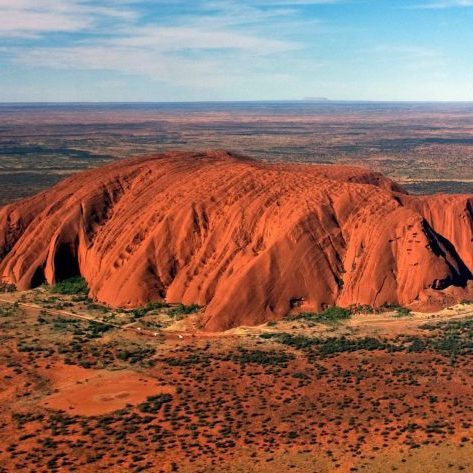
x: 88, y: 388
x: 236, y: 236
x: 209, y: 312
x: 427, y: 148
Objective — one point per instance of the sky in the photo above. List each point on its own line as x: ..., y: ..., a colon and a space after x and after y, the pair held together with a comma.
x: 205, y: 50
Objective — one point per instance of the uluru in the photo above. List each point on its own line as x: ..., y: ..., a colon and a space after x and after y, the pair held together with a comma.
x: 249, y: 241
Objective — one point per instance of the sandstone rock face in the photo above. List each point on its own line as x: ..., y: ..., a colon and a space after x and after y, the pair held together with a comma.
x: 247, y: 240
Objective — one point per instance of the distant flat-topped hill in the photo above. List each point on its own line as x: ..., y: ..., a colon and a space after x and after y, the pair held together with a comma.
x: 249, y: 241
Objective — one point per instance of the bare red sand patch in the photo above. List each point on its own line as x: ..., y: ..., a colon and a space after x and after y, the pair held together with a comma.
x: 94, y: 392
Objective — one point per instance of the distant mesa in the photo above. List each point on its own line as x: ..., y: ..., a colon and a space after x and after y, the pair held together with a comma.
x: 316, y: 99
x: 243, y: 238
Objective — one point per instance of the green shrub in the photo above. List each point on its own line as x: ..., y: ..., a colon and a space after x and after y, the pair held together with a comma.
x: 136, y: 354
x: 139, y: 313
x: 182, y: 309
x: 75, y: 285
x: 300, y: 375
x: 156, y: 305
x: 417, y: 345
x: 261, y: 357
x: 96, y: 330
x: 342, y: 345
x: 153, y: 403
x: 328, y: 316
x: 402, y: 312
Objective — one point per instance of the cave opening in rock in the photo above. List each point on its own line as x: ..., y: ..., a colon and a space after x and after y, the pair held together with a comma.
x: 38, y: 277
x: 66, y: 263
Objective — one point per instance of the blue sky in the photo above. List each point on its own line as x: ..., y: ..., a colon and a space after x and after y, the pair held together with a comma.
x: 143, y: 50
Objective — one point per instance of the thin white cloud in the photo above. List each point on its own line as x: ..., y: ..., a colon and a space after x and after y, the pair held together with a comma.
x: 212, y: 45
x: 34, y: 18
x: 440, y: 5
x: 182, y: 38
x: 206, y: 73
x: 30, y: 24
x: 30, y: 18
x: 226, y: 25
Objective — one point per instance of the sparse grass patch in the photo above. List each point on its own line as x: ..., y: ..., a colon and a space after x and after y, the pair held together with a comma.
x: 98, y: 307
x: 7, y: 310
x: 5, y: 287
x: 295, y: 341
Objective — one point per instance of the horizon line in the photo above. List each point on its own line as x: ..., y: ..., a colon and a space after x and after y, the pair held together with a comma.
x: 324, y: 101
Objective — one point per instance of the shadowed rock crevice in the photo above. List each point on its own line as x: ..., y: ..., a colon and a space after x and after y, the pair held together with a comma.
x: 66, y: 263
x: 459, y: 273
x: 38, y: 277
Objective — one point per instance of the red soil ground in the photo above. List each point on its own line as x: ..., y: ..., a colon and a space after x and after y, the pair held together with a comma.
x: 233, y: 403
x: 85, y: 392
x: 339, y: 417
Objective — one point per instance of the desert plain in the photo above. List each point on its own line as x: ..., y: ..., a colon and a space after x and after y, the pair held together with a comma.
x: 137, y: 380
x: 426, y: 147
x: 87, y: 388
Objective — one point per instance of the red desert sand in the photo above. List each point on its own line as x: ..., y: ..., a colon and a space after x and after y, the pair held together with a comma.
x: 250, y: 241
x: 93, y: 392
